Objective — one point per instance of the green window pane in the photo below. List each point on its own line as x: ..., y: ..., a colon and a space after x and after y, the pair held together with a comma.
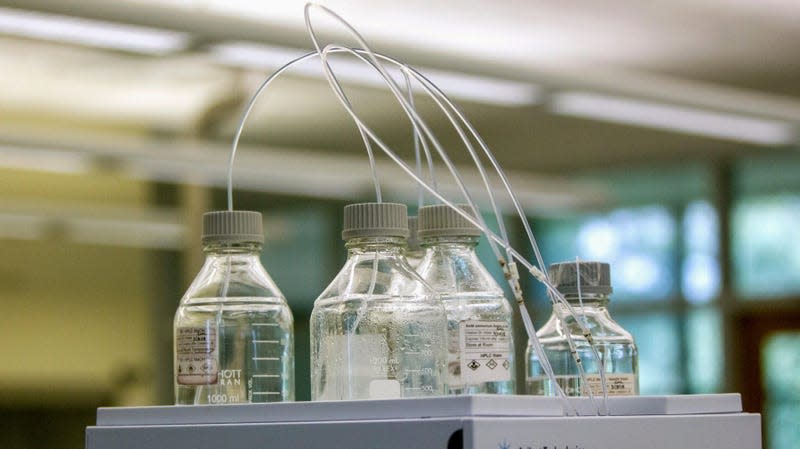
x: 657, y: 338
x: 299, y: 237
x: 700, y: 270
x: 780, y: 365
x: 766, y: 246
x: 705, y: 358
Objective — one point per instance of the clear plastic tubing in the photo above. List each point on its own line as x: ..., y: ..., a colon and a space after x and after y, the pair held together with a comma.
x: 233, y: 329
x: 378, y: 331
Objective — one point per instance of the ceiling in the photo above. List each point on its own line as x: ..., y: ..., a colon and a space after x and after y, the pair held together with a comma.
x: 734, y: 59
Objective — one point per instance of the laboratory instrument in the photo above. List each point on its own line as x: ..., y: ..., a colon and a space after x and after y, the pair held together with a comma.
x: 463, y: 422
x: 377, y: 331
x: 586, y: 287
x: 479, y: 318
x: 233, y: 339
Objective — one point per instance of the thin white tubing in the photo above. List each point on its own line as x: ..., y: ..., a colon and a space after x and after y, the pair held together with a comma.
x: 390, y: 82
x: 524, y: 312
x: 414, y: 117
x: 396, y: 91
x: 600, y: 363
x: 417, y: 155
x: 249, y: 109
x: 493, y: 238
x: 506, y: 183
x: 409, y: 110
x: 540, y: 275
x: 481, y: 225
x: 362, y: 128
x: 530, y: 330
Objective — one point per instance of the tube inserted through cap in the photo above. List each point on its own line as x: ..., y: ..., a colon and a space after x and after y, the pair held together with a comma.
x: 375, y: 220
x: 237, y: 226
x: 595, y: 277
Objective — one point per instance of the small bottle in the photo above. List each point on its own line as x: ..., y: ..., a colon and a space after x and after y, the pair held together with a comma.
x: 233, y: 329
x: 377, y: 331
x: 414, y: 251
x: 479, y: 318
x: 613, y: 343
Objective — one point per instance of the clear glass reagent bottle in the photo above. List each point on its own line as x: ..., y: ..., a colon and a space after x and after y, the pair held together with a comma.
x: 233, y: 340
x: 479, y: 318
x: 613, y: 343
x: 377, y: 331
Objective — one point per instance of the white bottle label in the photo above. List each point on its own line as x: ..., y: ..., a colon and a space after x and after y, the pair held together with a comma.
x: 361, y: 359
x: 485, y: 351
x: 197, y: 355
x: 617, y: 384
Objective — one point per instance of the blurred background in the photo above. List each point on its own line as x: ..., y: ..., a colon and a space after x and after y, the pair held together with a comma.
x: 661, y: 137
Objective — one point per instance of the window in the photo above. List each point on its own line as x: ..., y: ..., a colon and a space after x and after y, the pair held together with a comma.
x: 781, y: 362
x: 700, y: 271
x: 766, y: 246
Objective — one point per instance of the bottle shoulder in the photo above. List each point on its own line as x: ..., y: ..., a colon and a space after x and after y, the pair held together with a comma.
x: 233, y: 281
x: 599, y: 323
x: 377, y: 277
x: 455, y: 272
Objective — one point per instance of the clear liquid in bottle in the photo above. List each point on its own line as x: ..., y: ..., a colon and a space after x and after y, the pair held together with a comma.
x: 244, y: 360
x: 233, y: 339
x: 614, y: 345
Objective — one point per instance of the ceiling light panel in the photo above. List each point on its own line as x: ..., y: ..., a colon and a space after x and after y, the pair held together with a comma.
x: 93, y: 33
x: 681, y: 119
x: 348, y: 69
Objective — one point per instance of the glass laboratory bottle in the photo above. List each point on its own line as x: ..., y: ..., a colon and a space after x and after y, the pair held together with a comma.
x: 480, y: 344
x: 377, y: 331
x: 613, y: 343
x: 233, y: 329
x: 414, y: 250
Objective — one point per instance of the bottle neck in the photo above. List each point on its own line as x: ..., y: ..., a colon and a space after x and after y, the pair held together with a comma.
x: 587, y: 300
x: 463, y: 242
x: 241, y: 249
x: 389, y: 246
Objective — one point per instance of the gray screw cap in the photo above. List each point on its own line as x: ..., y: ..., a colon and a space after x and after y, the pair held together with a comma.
x: 440, y: 220
x: 375, y: 220
x: 595, y: 277
x: 238, y: 226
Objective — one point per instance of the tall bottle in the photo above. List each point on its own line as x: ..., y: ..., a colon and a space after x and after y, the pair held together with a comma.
x: 233, y: 329
x: 377, y: 331
x: 613, y: 343
x: 479, y: 318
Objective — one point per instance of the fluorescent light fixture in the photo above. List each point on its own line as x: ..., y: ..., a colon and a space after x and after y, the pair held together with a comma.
x: 42, y: 159
x: 125, y: 232
x: 480, y: 89
x: 93, y: 33
x: 674, y: 118
x: 21, y: 226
